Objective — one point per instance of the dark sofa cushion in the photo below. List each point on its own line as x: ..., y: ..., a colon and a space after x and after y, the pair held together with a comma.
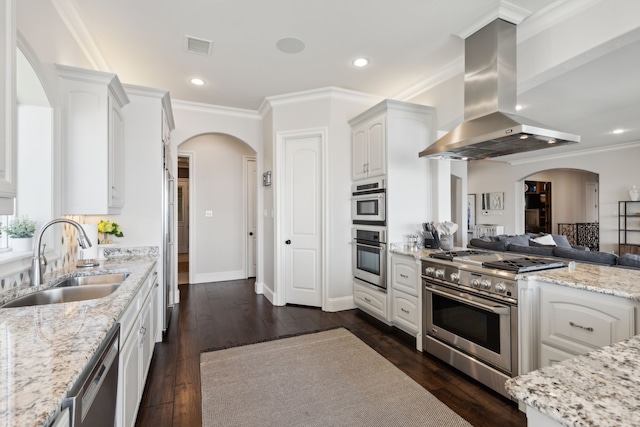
x: 561, y: 240
x: 594, y: 257
x: 629, y: 260
x: 532, y: 250
x: 493, y: 246
x: 522, y: 240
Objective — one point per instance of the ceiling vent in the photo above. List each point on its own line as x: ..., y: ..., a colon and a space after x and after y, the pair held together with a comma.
x: 198, y: 46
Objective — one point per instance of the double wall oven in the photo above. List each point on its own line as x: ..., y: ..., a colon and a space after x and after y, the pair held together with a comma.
x: 370, y: 256
x: 368, y: 203
x: 471, y: 311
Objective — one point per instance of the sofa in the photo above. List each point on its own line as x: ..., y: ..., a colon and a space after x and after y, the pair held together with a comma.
x: 552, y: 245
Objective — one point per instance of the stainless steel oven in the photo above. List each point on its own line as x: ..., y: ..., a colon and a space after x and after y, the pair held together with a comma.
x: 470, y: 321
x: 368, y: 203
x: 370, y: 256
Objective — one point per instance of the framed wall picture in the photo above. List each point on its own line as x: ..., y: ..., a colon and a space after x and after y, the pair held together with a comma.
x: 492, y: 201
x: 471, y: 212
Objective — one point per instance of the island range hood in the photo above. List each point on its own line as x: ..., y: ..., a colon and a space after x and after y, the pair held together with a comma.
x: 491, y: 127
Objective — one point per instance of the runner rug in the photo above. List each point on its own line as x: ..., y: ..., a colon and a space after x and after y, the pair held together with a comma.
x: 328, y: 378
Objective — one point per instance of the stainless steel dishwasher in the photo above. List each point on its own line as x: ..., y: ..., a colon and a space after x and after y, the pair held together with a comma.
x: 93, y: 399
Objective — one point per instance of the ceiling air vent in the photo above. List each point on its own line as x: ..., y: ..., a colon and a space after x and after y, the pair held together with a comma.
x: 198, y: 46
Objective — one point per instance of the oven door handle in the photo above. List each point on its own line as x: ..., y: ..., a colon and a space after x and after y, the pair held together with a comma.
x: 381, y: 246
x: 501, y: 310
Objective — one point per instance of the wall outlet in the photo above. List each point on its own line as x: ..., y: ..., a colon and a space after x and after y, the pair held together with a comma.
x: 208, y: 214
x: 485, y: 213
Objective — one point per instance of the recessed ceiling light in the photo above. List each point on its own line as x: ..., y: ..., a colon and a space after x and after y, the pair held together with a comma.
x: 551, y: 141
x: 198, y: 82
x: 290, y: 45
x: 617, y: 131
x: 361, y: 62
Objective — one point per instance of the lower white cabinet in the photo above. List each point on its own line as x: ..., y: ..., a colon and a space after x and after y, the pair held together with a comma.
x: 575, y: 321
x: 371, y: 301
x: 406, y: 299
x: 138, y: 329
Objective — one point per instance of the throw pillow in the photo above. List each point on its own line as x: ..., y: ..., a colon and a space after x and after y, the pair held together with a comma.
x: 520, y: 240
x: 561, y: 240
x: 546, y: 240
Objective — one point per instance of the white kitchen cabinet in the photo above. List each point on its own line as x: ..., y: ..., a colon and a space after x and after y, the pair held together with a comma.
x: 371, y: 301
x: 576, y: 321
x: 8, y: 126
x: 368, y: 149
x: 137, y: 326
x: 406, y: 300
x: 93, y: 141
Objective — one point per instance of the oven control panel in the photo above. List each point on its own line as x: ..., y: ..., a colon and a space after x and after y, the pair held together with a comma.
x: 477, y: 281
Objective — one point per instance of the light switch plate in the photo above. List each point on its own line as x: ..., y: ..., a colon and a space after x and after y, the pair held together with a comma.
x: 208, y: 214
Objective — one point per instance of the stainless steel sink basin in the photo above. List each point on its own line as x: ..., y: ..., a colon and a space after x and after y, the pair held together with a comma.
x: 67, y: 294
x: 100, y: 279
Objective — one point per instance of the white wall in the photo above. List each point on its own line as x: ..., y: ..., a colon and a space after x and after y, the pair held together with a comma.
x: 217, y: 185
x: 617, y: 169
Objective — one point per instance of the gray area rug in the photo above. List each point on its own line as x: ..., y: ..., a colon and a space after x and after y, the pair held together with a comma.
x: 328, y: 378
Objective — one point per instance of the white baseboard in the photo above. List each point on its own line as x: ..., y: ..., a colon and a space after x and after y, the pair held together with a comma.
x: 340, y: 304
x: 220, y: 276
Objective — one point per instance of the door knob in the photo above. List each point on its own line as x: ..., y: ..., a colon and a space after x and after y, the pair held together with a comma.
x: 251, y: 233
x: 288, y: 242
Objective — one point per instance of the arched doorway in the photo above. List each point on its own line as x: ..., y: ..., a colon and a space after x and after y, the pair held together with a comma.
x: 563, y: 201
x: 217, y: 204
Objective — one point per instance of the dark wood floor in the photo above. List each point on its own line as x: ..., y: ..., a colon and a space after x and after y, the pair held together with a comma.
x: 225, y: 314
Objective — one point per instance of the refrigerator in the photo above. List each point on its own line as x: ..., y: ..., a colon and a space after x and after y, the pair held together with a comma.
x: 169, y: 241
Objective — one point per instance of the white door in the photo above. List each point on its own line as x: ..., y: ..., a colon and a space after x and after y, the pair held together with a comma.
x: 183, y: 215
x: 251, y: 217
x: 302, y: 227
x: 591, y: 202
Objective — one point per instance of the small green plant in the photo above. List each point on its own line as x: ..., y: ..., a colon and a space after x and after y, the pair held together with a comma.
x: 20, y: 228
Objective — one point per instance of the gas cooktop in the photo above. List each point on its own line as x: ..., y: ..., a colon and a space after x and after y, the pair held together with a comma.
x: 523, y: 264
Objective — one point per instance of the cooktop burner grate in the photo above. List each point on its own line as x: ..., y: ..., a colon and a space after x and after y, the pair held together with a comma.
x: 450, y: 255
x: 523, y: 265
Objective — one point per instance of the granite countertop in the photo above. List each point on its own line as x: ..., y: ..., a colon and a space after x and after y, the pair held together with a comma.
x: 596, y: 389
x: 44, y: 349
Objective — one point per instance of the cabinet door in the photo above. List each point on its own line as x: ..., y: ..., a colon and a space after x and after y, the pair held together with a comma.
x: 404, y: 275
x: 359, y: 153
x: 371, y: 301
x: 550, y: 355
x: 116, y: 155
x: 129, y: 381
x: 404, y: 311
x: 8, y: 144
x: 147, y: 340
x: 580, y: 321
x: 376, y: 135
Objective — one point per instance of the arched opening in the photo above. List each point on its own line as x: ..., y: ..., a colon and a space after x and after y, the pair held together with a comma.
x: 218, y: 206
x: 563, y: 201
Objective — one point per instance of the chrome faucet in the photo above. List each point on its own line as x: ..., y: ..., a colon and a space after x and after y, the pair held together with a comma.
x: 39, y: 262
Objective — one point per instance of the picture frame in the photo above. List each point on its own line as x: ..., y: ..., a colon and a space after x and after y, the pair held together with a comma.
x: 493, y: 201
x: 471, y: 212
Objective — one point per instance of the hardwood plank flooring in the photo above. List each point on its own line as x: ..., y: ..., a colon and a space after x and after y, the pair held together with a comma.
x: 224, y: 314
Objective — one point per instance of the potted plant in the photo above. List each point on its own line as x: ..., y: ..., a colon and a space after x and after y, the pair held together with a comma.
x: 108, y: 228
x: 21, y: 230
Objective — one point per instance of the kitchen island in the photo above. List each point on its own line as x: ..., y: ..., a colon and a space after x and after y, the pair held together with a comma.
x: 45, y: 349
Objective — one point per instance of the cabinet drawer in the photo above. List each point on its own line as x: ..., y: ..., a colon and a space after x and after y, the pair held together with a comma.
x: 405, y: 276
x: 370, y: 300
x: 580, y: 321
x: 404, y: 309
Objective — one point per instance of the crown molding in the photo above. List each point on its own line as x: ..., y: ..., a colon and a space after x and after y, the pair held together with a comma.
x: 68, y: 11
x: 198, y: 107
x: 503, y: 10
x: 573, y: 154
x: 445, y: 73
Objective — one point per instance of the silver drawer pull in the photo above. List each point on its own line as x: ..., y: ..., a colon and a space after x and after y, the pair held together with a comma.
x: 586, y: 328
x: 404, y: 276
x: 367, y: 299
x: 404, y: 311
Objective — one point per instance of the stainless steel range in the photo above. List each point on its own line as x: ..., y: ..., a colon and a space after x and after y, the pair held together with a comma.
x: 471, y: 311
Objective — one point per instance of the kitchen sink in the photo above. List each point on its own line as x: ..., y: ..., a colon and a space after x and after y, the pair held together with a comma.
x: 100, y: 279
x: 68, y: 294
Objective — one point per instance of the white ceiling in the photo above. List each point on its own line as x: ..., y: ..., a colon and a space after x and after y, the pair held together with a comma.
x: 407, y: 41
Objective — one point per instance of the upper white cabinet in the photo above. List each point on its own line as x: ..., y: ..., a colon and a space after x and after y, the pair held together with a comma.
x: 368, y: 148
x: 92, y: 140
x: 7, y: 106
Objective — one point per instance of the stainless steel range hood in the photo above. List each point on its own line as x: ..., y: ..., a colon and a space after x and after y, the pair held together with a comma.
x: 491, y: 127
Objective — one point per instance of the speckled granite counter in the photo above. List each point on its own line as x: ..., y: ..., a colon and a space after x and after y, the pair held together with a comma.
x: 44, y: 349
x: 597, y: 389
